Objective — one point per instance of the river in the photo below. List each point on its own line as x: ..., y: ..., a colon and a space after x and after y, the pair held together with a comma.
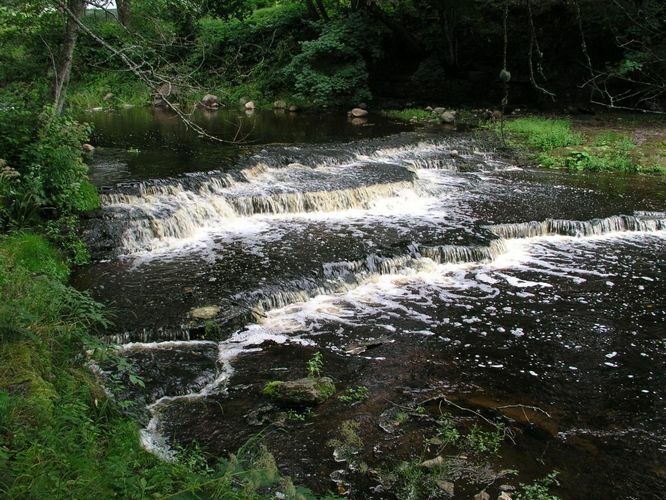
x: 425, y: 265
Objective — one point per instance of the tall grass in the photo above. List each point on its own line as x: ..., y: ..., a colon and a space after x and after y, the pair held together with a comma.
x: 543, y: 134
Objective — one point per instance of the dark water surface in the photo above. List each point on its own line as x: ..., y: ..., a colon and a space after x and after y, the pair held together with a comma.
x: 474, y: 283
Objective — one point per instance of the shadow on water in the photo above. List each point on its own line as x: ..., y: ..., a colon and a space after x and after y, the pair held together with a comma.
x: 144, y: 143
x: 424, y: 266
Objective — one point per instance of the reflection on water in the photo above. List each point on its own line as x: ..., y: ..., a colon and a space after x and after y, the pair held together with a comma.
x: 144, y: 143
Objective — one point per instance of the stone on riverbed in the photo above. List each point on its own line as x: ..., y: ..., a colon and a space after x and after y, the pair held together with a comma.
x: 359, y: 113
x: 206, y: 312
x: 304, y: 391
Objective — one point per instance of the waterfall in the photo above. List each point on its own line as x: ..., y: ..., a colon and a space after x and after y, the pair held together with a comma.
x: 593, y: 227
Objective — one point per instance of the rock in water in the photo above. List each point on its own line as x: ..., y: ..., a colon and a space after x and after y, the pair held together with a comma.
x: 206, y: 312
x: 359, y: 113
x: 362, y: 106
x: 166, y: 91
x: 482, y: 495
x: 448, y: 117
x: 294, y: 109
x: 210, y: 100
x: 249, y: 105
x: 279, y: 104
x: 301, y: 392
x: 446, y: 486
x: 88, y: 148
x: 433, y: 462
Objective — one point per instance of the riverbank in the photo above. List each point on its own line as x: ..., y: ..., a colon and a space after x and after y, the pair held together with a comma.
x: 61, y: 434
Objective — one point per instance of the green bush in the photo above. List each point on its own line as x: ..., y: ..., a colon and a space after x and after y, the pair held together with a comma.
x: 245, y: 59
x: 42, y: 166
x: 333, y: 69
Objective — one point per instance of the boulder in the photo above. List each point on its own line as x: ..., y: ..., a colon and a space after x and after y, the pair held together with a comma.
x: 362, y: 106
x: 448, y: 117
x: 504, y: 496
x: 438, y: 111
x: 497, y: 115
x: 359, y: 113
x: 210, y: 101
x: 88, y: 148
x: 294, y: 109
x: 280, y: 104
x: 249, y: 105
x: 301, y: 392
x: 482, y: 495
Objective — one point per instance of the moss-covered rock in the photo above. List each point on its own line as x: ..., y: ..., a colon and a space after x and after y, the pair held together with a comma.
x: 301, y: 392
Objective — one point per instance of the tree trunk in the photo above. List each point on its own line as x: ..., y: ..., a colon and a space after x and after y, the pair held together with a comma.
x: 123, y: 7
x: 322, y: 10
x: 73, y: 11
x: 410, y: 41
x: 312, y: 11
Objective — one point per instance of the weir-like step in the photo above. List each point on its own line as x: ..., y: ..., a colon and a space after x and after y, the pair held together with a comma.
x: 338, y: 277
x: 593, y: 227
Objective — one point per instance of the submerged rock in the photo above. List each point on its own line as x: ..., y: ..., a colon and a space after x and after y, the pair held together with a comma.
x: 206, y: 312
x: 448, y: 117
x: 446, y: 486
x: 210, y: 101
x: 438, y: 461
x: 304, y: 391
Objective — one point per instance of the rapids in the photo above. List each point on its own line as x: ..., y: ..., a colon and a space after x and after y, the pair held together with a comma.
x: 469, y: 276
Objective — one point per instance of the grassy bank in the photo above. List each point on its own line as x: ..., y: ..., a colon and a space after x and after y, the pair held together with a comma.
x: 558, y: 143
x: 60, y: 434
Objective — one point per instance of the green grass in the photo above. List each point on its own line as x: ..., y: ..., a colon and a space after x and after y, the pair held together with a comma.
x: 32, y: 253
x: 407, y: 115
x: 543, y: 134
x: 90, y: 93
x: 555, y: 144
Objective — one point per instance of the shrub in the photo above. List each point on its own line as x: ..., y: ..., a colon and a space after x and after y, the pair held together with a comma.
x: 333, y: 69
x: 43, y: 165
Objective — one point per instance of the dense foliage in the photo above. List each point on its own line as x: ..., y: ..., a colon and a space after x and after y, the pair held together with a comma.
x: 331, y: 52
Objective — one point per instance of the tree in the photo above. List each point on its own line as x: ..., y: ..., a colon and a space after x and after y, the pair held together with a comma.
x: 123, y: 7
